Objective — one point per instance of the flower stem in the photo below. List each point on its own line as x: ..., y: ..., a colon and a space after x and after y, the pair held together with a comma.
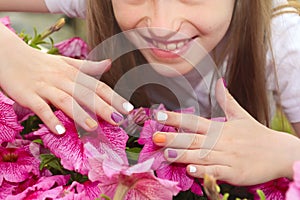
x: 121, y: 192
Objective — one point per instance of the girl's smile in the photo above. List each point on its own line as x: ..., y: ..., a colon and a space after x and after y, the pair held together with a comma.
x: 178, y: 34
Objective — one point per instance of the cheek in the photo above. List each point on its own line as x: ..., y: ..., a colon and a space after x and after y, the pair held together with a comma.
x: 212, y: 28
x: 128, y: 17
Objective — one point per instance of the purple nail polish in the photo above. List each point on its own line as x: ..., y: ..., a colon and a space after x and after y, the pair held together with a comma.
x: 116, y: 117
x: 224, y: 82
x: 172, y: 153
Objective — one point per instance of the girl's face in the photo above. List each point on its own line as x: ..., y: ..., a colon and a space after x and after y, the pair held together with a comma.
x: 177, y: 34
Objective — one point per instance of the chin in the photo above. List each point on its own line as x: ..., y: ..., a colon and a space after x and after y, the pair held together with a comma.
x: 170, y: 70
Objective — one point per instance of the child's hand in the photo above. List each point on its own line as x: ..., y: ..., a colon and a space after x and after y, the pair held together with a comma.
x: 240, y: 151
x: 34, y: 79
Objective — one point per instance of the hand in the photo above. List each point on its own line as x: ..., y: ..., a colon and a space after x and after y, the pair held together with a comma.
x: 34, y: 79
x: 240, y: 151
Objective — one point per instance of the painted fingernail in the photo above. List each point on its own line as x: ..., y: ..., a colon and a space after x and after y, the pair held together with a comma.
x: 224, y: 82
x: 192, y: 169
x: 91, y: 123
x: 116, y: 117
x: 128, y: 106
x: 172, y: 153
x: 159, y: 138
x: 60, y: 129
x: 161, y: 116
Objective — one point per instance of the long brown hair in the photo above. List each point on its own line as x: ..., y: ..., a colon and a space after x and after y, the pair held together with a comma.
x: 247, y: 46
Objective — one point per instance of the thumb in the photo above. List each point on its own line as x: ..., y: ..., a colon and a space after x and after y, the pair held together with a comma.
x: 228, y: 104
x: 92, y: 68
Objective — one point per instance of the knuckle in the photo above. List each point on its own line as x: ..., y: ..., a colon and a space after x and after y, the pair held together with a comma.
x: 63, y: 99
x: 41, y: 109
x: 216, y: 172
x: 196, y: 141
x: 102, y: 88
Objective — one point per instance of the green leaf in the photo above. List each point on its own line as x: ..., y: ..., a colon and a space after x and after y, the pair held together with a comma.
x: 50, y: 161
x: 53, y: 51
x: 38, y: 141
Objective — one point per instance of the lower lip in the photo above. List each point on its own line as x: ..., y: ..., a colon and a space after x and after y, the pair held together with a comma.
x: 169, y: 54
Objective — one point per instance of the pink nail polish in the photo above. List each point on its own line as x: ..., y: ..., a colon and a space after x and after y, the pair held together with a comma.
x: 116, y: 117
x: 172, y: 153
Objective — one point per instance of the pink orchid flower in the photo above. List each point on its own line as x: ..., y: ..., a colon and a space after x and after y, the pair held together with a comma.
x: 45, y: 188
x: 9, y: 126
x: 164, y: 169
x: 293, y: 192
x: 274, y: 189
x: 6, y: 22
x: 73, y: 48
x: 119, y: 181
x: 76, y: 191
x: 7, y: 189
x: 18, y: 164
x: 69, y: 147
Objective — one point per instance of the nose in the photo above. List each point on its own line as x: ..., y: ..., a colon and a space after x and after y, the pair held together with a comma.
x: 163, y: 21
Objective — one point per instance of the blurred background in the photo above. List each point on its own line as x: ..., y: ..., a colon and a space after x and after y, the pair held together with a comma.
x: 27, y: 21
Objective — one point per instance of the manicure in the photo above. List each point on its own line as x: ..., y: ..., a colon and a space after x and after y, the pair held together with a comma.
x: 192, y: 169
x: 172, y: 153
x: 161, y: 116
x: 60, y: 129
x: 91, y: 123
x: 116, y: 117
x: 159, y: 138
x: 128, y: 106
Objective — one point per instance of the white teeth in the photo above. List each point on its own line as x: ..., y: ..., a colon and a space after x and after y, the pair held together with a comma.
x: 161, y: 46
x: 170, y: 46
x: 180, y: 44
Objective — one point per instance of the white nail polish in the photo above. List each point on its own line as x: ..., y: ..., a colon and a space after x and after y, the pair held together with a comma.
x: 128, y: 106
x: 60, y: 129
x: 193, y: 169
x: 161, y: 116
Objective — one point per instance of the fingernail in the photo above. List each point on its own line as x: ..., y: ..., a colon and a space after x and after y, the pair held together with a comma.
x: 161, y: 116
x: 224, y: 82
x: 116, y: 117
x: 91, y: 123
x: 60, y: 129
x: 192, y: 169
x: 128, y: 106
x: 172, y: 153
x: 159, y: 138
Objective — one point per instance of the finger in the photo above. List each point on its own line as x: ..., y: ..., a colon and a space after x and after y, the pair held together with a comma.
x: 178, y: 140
x: 45, y: 113
x: 104, y: 92
x: 189, y: 122
x: 70, y: 107
x: 219, y: 172
x: 195, y: 156
x: 89, y: 100
x: 92, y: 68
x: 228, y: 104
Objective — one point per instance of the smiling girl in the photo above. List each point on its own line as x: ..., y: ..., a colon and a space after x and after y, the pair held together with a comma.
x: 256, y: 54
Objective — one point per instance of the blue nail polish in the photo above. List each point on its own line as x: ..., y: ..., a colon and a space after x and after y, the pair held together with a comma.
x: 116, y: 117
x: 172, y: 153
